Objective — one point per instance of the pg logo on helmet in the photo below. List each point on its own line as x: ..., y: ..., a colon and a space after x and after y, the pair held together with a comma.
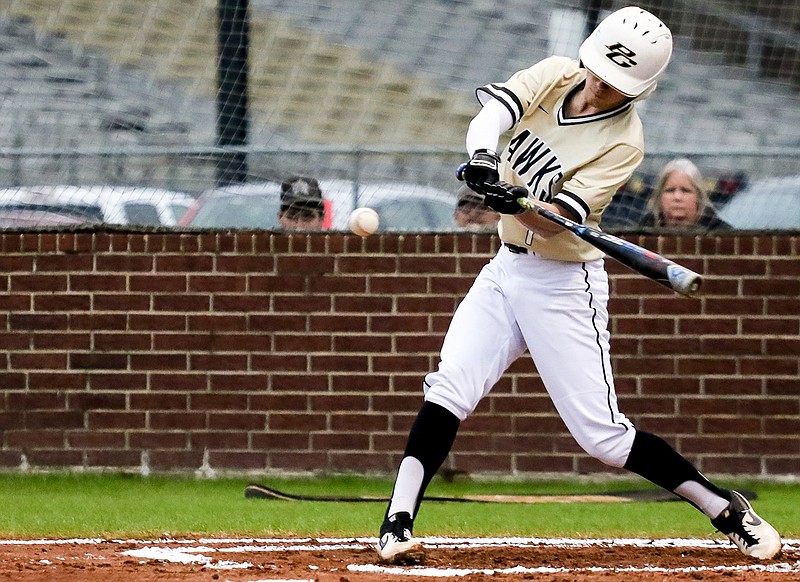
x: 629, y: 50
x: 621, y: 55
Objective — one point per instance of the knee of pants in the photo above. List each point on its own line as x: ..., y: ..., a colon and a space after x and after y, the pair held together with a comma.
x: 612, y: 450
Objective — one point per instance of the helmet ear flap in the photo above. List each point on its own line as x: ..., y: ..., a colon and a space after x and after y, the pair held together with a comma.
x: 646, y: 93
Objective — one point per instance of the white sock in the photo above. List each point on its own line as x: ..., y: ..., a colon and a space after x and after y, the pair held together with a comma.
x: 709, y: 502
x: 406, y: 487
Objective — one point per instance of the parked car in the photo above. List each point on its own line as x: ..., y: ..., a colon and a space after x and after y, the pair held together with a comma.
x: 45, y: 215
x: 768, y: 204
x: 107, y: 203
x: 251, y: 205
x: 401, y: 206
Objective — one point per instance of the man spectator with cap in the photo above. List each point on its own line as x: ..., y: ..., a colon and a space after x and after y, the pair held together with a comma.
x: 302, y: 207
x: 471, y: 213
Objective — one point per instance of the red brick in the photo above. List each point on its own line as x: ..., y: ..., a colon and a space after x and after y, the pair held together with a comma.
x: 54, y: 458
x: 174, y: 420
x: 159, y: 362
x: 219, y: 439
x: 154, y: 439
x: 113, y: 458
x: 61, y: 341
x: 238, y: 460
x: 120, y: 302
x: 337, y: 322
x: 180, y: 303
x: 122, y: 341
x: 217, y: 283
x: 38, y: 361
x: 123, y: 263
x: 98, y: 361
x: 282, y: 441
x: 233, y: 362
x: 182, y: 382
x: 98, y: 321
x: 237, y: 421
x: 122, y: 381
x: 64, y: 263
x: 36, y: 282
x: 54, y: 419
x: 117, y: 420
x: 171, y: 459
x: 183, y: 263
x: 157, y: 283
x: 37, y: 321
x: 216, y: 322
x: 95, y: 439
x: 35, y: 439
x: 297, y: 303
x: 57, y: 380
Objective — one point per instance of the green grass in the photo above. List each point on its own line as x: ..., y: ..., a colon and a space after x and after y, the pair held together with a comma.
x: 122, y: 506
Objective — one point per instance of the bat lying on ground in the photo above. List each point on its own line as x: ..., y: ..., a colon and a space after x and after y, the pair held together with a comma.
x: 259, y: 491
x: 650, y: 264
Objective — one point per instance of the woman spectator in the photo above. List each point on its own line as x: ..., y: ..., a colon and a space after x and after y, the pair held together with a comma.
x: 679, y: 199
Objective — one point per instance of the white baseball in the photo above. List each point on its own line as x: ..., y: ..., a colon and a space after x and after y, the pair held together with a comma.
x: 363, y: 221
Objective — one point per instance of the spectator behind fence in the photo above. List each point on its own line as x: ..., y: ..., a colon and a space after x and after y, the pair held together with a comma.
x: 679, y: 199
x: 471, y: 213
x: 302, y: 207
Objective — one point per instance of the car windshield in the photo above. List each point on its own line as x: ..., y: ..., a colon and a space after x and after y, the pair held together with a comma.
x: 415, y: 215
x: 177, y: 210
x: 141, y: 213
x: 238, y: 212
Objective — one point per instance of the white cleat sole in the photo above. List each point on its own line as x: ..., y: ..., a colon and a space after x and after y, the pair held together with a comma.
x: 402, y: 553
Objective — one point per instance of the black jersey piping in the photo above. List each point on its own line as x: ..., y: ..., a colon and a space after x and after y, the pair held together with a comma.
x: 503, y: 95
x: 600, y: 347
x: 573, y: 215
x: 562, y: 120
x: 577, y: 200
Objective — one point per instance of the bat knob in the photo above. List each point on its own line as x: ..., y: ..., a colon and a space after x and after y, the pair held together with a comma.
x: 460, y: 171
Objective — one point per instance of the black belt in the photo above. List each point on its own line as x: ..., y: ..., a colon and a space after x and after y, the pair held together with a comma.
x: 516, y: 249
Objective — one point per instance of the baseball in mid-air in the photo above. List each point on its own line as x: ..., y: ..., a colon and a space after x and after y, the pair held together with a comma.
x: 363, y: 221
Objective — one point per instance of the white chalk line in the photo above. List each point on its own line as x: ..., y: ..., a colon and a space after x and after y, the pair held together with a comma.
x: 194, y: 551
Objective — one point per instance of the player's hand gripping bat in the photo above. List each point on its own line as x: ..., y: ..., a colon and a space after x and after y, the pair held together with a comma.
x: 650, y: 264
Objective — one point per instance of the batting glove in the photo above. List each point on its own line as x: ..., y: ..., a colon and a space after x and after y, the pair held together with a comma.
x: 503, y: 198
x: 482, y: 169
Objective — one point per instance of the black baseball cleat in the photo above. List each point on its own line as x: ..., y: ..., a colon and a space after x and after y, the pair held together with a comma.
x: 751, y: 534
x: 395, y: 545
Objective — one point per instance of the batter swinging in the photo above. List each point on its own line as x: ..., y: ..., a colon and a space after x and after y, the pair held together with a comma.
x: 577, y: 138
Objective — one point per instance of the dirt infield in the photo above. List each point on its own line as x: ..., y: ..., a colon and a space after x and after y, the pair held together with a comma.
x: 353, y: 560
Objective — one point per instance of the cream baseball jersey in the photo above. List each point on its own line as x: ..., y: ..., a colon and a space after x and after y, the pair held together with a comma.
x: 577, y: 163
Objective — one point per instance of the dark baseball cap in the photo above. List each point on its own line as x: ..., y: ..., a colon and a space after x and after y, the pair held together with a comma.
x: 468, y: 196
x: 301, y: 193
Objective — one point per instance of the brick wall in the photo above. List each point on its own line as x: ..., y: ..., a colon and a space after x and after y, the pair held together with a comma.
x: 306, y: 352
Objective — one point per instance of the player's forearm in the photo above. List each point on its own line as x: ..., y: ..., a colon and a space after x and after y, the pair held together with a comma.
x: 539, y: 225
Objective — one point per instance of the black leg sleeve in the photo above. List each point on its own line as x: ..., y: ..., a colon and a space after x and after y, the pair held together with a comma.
x: 653, y: 458
x: 430, y: 440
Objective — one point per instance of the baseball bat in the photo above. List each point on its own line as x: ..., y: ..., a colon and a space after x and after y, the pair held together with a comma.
x: 639, y: 259
x: 261, y: 491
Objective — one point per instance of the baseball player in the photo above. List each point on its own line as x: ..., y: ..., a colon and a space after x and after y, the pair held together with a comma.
x: 576, y: 139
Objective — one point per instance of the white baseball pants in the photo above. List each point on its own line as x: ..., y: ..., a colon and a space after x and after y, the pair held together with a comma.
x: 558, y: 310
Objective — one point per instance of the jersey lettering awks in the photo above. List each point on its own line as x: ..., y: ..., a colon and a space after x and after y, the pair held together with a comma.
x: 504, y: 96
x: 535, y: 163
